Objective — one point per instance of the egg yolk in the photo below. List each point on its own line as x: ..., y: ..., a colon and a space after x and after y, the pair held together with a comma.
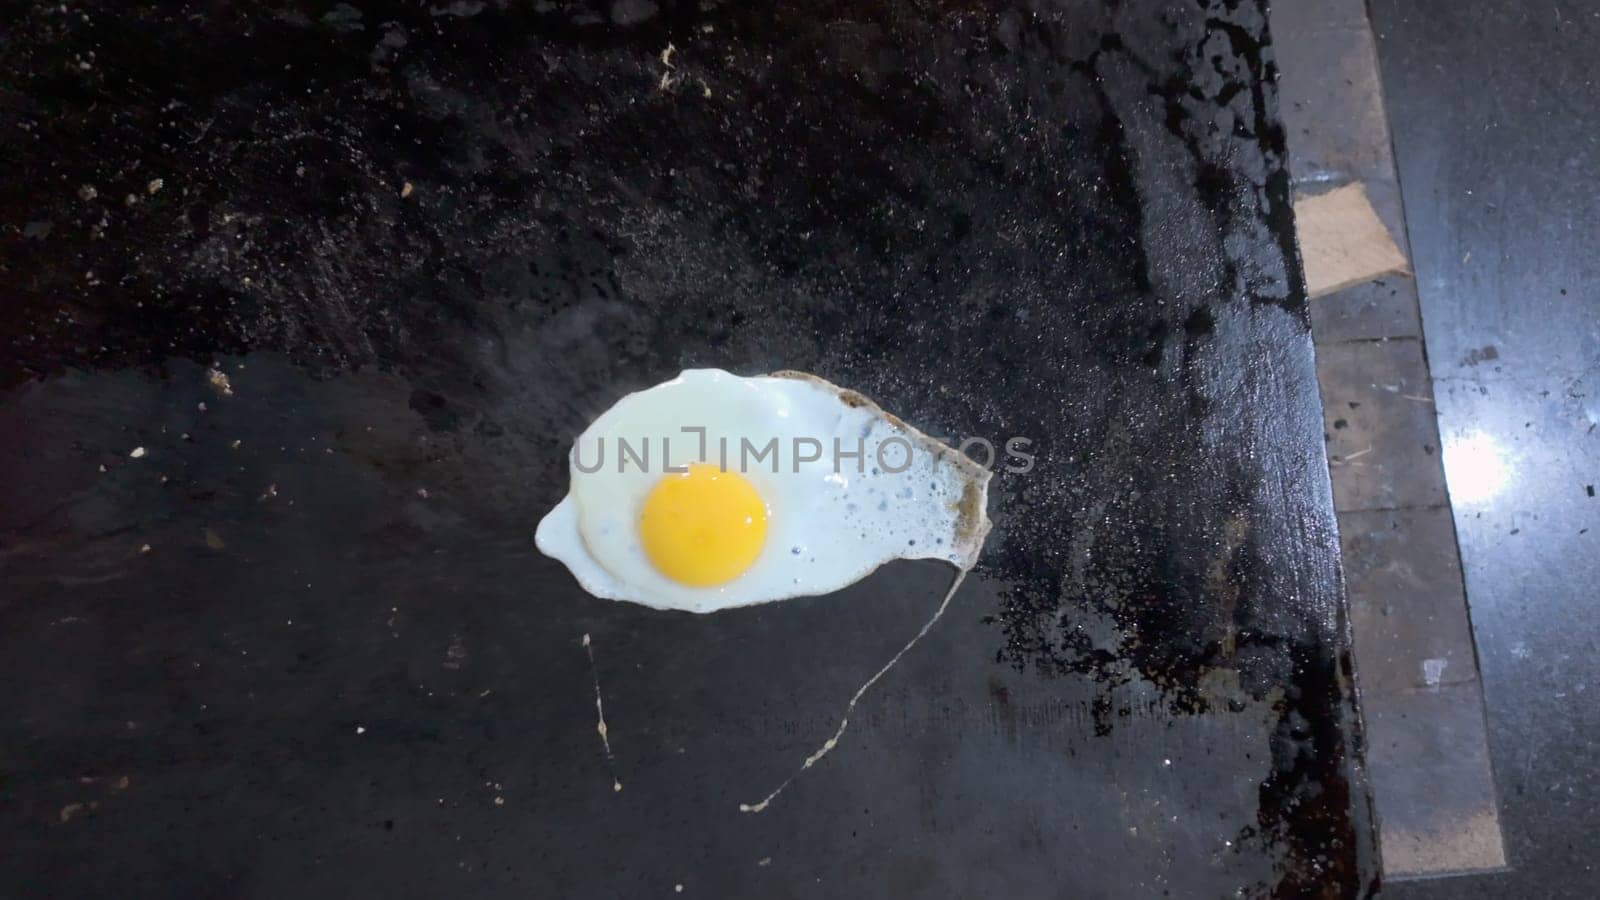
x: 703, y: 527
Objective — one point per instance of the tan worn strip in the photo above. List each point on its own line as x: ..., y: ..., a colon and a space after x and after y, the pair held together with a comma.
x: 1342, y: 240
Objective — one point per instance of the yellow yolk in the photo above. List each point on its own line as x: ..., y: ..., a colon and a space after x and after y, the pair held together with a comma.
x: 703, y: 527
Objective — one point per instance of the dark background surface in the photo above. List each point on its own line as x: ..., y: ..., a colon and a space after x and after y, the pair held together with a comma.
x: 1497, y: 136
x: 341, y: 668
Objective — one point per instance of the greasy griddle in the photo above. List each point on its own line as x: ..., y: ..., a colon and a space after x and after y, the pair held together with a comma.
x: 303, y: 644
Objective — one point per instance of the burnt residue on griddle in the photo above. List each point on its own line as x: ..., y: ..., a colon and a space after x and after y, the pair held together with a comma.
x: 1071, y: 226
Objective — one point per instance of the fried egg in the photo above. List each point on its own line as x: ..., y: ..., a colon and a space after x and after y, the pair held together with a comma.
x: 713, y: 491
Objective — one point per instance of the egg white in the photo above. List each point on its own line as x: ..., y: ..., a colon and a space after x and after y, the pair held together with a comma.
x: 830, y: 521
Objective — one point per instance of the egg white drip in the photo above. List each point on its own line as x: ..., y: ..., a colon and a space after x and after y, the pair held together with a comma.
x: 826, y: 529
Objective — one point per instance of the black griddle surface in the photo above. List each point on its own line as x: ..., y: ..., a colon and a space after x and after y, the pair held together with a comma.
x: 427, y: 243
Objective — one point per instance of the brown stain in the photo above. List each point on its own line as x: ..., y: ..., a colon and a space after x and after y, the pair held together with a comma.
x: 219, y: 382
x: 78, y: 808
x: 969, y: 511
x: 73, y: 809
x: 1219, y: 576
